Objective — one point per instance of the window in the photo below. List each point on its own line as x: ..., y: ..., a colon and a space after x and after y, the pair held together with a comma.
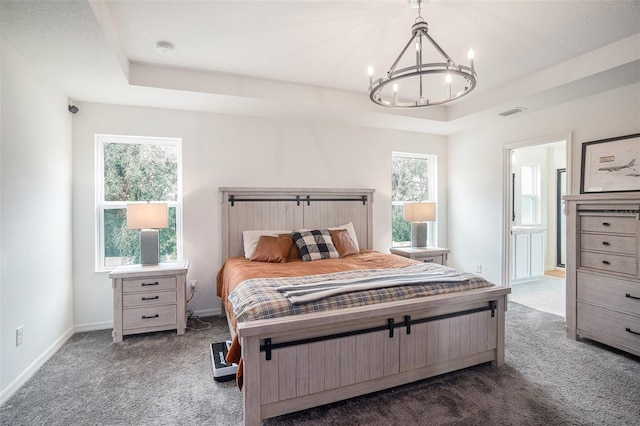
x: 412, y: 179
x: 131, y: 168
x: 529, y: 194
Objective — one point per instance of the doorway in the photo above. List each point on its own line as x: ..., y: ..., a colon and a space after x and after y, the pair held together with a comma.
x: 536, y: 233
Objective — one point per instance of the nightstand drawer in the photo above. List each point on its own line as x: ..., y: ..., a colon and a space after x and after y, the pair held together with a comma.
x: 148, y: 299
x: 611, y: 224
x: 609, y: 262
x: 609, y: 243
x: 431, y: 259
x: 151, y: 316
x: 148, y: 284
x: 423, y: 254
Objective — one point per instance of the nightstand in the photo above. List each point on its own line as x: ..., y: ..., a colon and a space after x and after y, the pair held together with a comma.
x: 149, y: 298
x: 423, y: 254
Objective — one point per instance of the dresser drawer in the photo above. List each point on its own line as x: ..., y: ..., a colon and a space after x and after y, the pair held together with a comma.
x: 617, y: 294
x: 609, y: 262
x: 148, y: 284
x: 609, y: 243
x: 612, y: 224
x: 152, y: 316
x: 148, y: 298
x: 609, y: 327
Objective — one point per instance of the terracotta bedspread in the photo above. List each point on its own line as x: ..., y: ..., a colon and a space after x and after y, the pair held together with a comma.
x: 238, y: 269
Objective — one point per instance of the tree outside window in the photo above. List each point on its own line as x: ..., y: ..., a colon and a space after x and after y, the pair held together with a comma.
x: 412, y: 179
x: 136, y: 169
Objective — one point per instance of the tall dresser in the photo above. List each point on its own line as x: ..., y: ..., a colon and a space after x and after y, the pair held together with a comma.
x: 603, y: 270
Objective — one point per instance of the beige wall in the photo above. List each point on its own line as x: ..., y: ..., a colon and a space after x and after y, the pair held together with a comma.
x: 35, y: 220
x: 476, y: 167
x: 226, y: 150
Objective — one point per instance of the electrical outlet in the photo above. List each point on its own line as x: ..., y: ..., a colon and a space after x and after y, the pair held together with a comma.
x: 478, y: 268
x: 19, y: 335
x: 193, y: 285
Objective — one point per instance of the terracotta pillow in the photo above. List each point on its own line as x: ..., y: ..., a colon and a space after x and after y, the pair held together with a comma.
x: 294, y: 253
x: 343, y: 242
x: 272, y: 249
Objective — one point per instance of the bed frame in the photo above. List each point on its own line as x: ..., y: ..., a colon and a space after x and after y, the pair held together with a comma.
x: 295, y: 363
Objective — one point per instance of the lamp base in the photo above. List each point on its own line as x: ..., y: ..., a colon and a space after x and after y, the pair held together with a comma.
x: 149, y: 246
x: 419, y: 234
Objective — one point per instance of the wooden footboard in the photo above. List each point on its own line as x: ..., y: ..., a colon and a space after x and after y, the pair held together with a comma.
x: 295, y: 363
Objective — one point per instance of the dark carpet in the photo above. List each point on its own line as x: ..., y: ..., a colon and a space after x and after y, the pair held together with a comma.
x: 164, y: 379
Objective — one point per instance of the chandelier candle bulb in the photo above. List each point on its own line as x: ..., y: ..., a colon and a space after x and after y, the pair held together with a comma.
x: 395, y: 93
x: 370, y: 72
x: 470, y: 56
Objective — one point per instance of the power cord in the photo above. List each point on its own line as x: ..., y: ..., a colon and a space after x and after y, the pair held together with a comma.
x: 193, y: 293
x: 194, y: 322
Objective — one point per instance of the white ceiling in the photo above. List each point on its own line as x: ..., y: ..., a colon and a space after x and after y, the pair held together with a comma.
x: 309, y: 58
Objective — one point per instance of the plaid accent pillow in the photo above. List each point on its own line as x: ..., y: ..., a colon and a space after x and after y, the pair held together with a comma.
x: 315, y: 245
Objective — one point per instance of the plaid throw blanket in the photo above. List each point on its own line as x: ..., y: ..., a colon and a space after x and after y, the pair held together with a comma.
x: 411, y: 275
x: 263, y: 298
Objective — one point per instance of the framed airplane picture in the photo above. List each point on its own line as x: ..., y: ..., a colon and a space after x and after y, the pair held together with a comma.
x: 611, y: 165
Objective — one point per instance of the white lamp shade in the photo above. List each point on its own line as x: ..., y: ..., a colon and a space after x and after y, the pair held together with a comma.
x: 147, y: 216
x: 419, y: 212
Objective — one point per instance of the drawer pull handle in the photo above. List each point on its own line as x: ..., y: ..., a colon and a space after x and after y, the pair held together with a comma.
x: 606, y: 262
x: 632, y: 332
x: 151, y: 298
x: 631, y: 297
x: 427, y: 260
x: 606, y: 224
x: 149, y: 317
x: 146, y: 284
x: 605, y: 243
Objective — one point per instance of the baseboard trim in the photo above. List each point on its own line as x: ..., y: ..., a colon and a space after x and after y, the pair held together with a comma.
x: 14, y: 386
x: 93, y: 326
x: 106, y: 325
x: 208, y: 312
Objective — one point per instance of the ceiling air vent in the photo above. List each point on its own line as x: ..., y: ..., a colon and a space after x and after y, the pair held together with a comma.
x: 511, y: 111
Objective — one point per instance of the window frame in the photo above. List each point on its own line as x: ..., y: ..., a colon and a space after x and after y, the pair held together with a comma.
x: 101, y: 205
x: 432, y: 236
x: 534, y: 195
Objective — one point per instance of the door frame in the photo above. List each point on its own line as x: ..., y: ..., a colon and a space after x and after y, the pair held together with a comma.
x: 507, y: 187
x: 559, y: 213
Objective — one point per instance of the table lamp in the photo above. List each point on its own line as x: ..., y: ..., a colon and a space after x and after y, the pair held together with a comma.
x: 419, y: 214
x: 148, y: 218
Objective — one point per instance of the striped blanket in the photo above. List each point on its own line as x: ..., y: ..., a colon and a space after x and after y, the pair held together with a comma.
x: 263, y: 298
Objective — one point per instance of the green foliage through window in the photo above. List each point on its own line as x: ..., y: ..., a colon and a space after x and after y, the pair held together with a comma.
x: 131, y: 171
x: 411, y: 180
x: 140, y: 172
x: 122, y: 245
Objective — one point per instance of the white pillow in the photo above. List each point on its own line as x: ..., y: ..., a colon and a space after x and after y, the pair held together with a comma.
x: 250, y: 240
x: 350, y: 230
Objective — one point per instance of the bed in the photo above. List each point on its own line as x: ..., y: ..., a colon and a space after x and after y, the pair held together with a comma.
x: 295, y: 362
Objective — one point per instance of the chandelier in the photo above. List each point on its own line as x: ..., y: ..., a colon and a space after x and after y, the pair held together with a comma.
x: 435, y: 83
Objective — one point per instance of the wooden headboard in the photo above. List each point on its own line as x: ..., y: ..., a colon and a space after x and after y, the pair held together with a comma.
x: 246, y: 209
